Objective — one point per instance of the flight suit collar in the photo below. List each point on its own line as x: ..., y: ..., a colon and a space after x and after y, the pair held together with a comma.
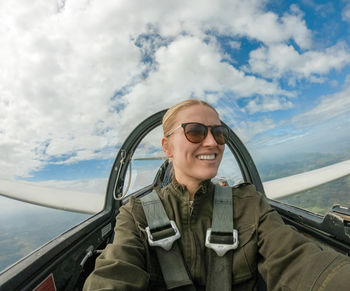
x: 182, y: 193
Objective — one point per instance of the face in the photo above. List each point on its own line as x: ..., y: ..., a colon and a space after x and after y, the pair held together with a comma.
x: 194, y: 162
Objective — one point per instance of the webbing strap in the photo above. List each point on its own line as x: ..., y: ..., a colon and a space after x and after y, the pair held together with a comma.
x: 171, y: 261
x: 173, y: 269
x: 219, y: 272
x: 154, y: 211
x: 220, y: 267
x: 222, y: 221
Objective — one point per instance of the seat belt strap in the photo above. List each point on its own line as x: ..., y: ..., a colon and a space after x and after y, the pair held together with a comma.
x: 162, y: 235
x: 222, y: 221
x: 221, y: 239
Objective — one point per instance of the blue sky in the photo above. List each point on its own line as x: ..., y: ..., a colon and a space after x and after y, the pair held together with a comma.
x: 78, y: 76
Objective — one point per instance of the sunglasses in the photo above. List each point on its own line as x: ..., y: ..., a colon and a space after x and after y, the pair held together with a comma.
x: 197, y: 132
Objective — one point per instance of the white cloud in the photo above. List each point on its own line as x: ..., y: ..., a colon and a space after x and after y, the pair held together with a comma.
x: 329, y: 107
x: 62, y: 61
x: 323, y: 128
x: 294, y: 27
x: 322, y: 9
x: 346, y: 13
x: 247, y: 130
x: 188, y: 67
x: 235, y: 44
x: 267, y: 104
x: 250, y: 19
x: 283, y: 60
x: 58, y: 73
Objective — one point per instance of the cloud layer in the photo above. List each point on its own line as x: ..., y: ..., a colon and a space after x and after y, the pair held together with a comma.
x: 77, y: 76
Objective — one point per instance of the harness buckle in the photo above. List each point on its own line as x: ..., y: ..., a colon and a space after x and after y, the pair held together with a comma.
x: 221, y: 249
x: 167, y: 242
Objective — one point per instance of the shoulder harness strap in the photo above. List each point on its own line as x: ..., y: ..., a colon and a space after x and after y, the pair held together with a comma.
x: 221, y: 239
x: 162, y: 234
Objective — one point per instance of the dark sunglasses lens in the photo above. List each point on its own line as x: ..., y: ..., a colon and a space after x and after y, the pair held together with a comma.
x: 195, y: 132
x: 220, y: 133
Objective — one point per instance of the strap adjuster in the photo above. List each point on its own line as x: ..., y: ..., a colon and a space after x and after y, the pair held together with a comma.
x: 167, y: 242
x: 221, y: 249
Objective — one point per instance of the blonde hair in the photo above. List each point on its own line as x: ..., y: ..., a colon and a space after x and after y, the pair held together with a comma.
x: 169, y: 117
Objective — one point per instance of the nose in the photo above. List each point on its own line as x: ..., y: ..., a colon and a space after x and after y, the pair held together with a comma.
x: 209, y: 139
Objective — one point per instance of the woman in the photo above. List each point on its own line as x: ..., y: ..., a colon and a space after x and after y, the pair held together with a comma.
x: 194, y: 142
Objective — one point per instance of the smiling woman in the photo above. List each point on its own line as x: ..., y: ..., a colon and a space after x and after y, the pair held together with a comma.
x: 199, y: 158
x: 201, y: 250
x: 72, y: 89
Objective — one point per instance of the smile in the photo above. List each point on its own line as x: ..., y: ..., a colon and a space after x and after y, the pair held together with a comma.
x: 207, y: 157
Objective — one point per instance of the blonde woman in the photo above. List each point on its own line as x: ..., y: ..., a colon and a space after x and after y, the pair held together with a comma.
x: 194, y: 140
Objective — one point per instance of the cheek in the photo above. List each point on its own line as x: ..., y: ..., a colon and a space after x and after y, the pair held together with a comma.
x: 221, y: 151
x: 184, y: 153
x: 169, y: 150
x: 169, y: 147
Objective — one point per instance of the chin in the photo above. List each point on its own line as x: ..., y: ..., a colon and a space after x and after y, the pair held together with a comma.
x: 209, y: 175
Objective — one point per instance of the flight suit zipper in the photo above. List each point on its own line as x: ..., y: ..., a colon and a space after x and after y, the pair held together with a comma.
x: 192, y: 241
x: 190, y: 206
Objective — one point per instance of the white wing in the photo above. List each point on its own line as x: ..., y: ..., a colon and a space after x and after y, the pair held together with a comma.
x: 84, y: 202
x: 293, y: 184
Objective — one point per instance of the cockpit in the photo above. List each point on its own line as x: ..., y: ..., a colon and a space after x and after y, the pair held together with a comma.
x: 138, y: 168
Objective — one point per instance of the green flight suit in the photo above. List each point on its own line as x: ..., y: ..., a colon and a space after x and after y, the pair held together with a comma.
x: 286, y: 259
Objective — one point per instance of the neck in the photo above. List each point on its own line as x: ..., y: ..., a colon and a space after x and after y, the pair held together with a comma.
x: 192, y: 191
x: 192, y: 186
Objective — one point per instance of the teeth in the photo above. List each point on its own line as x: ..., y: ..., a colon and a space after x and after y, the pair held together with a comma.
x: 206, y: 157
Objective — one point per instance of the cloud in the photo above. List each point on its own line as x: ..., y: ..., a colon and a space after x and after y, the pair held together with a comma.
x: 323, y: 128
x: 267, y: 104
x: 250, y: 19
x: 247, y: 130
x: 294, y: 27
x: 235, y: 44
x: 285, y: 61
x: 57, y: 79
x: 346, y: 13
x: 189, y: 67
x: 333, y: 106
x: 77, y: 76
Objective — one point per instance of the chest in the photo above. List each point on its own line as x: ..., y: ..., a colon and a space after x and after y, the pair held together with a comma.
x: 193, y: 224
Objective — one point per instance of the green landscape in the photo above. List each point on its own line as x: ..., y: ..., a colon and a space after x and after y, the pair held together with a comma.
x: 321, y: 199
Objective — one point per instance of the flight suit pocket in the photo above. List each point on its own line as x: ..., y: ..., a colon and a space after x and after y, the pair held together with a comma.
x: 245, y: 256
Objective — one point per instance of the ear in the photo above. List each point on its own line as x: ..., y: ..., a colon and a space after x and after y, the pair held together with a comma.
x: 166, y: 147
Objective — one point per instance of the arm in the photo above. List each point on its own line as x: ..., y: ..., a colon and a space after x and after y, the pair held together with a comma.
x: 121, y: 266
x: 290, y: 261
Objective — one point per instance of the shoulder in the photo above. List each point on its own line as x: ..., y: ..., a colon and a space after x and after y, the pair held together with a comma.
x: 245, y: 190
x: 131, y: 205
x: 133, y: 210
x: 134, y: 206
x: 248, y: 200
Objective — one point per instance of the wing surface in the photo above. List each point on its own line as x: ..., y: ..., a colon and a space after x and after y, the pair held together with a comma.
x: 83, y: 202
x: 293, y: 184
x: 91, y: 203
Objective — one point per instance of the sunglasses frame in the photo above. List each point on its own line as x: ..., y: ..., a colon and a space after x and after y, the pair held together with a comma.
x: 206, y: 130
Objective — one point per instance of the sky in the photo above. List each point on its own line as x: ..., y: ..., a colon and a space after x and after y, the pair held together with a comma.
x: 77, y: 76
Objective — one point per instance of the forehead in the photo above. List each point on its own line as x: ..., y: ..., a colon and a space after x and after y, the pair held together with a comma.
x: 198, y: 113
